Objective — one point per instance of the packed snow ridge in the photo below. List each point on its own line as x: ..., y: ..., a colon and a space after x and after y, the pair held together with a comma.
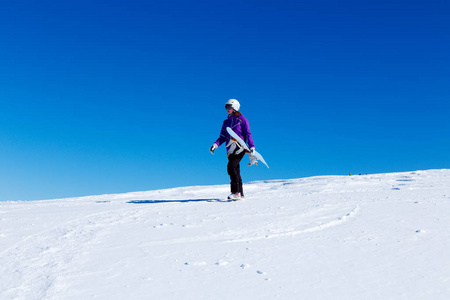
x: 382, y: 236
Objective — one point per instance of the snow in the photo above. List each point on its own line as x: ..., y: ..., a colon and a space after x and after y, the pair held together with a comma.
x: 381, y: 236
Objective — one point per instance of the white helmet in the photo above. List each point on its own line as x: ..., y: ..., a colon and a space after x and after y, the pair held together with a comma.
x: 234, y: 104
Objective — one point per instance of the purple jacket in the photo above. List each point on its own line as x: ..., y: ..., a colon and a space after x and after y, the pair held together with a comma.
x: 239, y: 125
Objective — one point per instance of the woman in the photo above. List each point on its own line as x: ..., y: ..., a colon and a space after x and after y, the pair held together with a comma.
x: 239, y: 124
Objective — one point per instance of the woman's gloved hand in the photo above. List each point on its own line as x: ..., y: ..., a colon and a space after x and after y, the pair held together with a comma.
x: 252, y: 157
x: 213, y: 147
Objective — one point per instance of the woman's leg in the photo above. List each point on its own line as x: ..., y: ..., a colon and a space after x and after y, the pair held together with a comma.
x: 234, y: 171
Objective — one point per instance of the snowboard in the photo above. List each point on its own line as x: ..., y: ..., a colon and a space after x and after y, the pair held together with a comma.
x: 243, y: 144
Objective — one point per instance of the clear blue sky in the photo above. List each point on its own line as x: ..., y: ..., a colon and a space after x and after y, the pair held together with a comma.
x: 116, y: 96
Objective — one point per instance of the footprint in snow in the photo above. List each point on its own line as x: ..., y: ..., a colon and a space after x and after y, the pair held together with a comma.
x: 196, y: 263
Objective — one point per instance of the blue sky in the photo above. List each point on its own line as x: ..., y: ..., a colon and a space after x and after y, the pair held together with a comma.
x: 116, y: 96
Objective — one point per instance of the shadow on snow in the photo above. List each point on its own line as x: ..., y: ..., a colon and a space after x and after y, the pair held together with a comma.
x: 172, y: 201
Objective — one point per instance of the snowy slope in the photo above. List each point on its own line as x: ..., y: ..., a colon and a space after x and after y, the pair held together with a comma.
x: 384, y: 236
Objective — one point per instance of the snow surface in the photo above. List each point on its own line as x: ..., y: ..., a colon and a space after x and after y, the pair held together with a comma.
x: 383, y: 236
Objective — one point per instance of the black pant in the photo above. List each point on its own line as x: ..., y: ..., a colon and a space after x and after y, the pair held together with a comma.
x: 234, y: 171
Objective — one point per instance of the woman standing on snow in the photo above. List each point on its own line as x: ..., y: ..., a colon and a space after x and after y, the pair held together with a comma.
x: 239, y: 124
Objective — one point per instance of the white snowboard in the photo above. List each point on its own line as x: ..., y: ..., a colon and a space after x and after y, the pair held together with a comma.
x: 243, y: 144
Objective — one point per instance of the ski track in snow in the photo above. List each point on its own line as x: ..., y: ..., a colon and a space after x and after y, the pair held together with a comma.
x: 130, y: 245
x: 268, y: 230
x: 283, y: 233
